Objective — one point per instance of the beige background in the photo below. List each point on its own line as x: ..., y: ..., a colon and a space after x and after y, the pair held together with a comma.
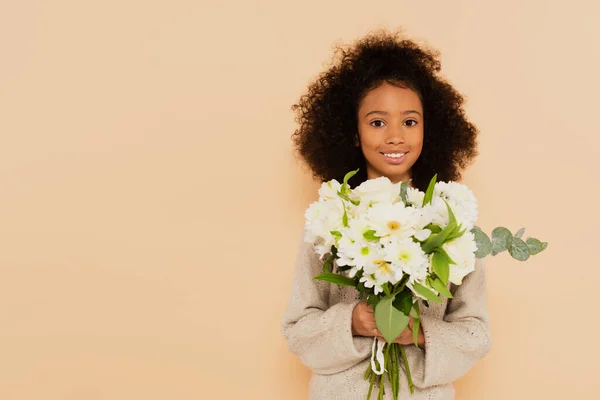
x: 151, y: 206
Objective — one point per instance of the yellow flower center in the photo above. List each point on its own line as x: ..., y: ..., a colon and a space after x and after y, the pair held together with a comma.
x: 383, y: 266
x: 393, y: 225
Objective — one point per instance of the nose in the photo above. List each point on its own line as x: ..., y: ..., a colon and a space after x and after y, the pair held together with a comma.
x: 394, y: 136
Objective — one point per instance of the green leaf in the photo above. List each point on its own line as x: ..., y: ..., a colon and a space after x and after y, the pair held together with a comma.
x: 336, y: 278
x: 386, y: 289
x: 390, y: 321
x: 445, y: 254
x: 427, y: 293
x: 501, y: 239
x: 337, y: 234
x: 403, y: 189
x: 370, y: 235
x: 519, y: 250
x: 415, y: 312
x: 483, y: 242
x: 416, y: 325
x: 437, y: 240
x: 345, y: 218
x: 456, y: 233
x: 519, y: 233
x: 347, y: 178
x: 441, y: 267
x: 535, y: 246
x: 373, y: 300
x: 429, y: 192
x: 433, y: 228
x: 328, y: 264
x: 345, y: 197
x: 438, y: 285
x: 403, y: 302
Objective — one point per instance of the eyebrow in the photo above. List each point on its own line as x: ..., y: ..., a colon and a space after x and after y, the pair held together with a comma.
x: 387, y: 113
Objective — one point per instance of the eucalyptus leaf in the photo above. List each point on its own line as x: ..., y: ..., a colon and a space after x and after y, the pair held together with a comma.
x: 336, y: 278
x: 501, y: 239
x: 519, y: 233
x: 429, y: 192
x: 390, y: 321
x: 519, y: 250
x: 535, y: 246
x: 427, y: 293
x: 483, y: 242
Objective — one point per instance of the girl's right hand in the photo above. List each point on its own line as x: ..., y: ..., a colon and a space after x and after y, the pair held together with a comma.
x: 363, y: 321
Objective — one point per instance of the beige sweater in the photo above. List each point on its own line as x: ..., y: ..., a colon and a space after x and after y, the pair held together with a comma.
x: 317, y: 325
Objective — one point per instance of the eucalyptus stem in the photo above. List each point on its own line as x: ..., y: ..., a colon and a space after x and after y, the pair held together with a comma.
x: 409, y: 377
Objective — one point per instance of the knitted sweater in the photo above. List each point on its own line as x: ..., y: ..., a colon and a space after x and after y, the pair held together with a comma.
x: 317, y: 325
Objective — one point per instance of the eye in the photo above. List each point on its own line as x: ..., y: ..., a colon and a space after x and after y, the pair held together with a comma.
x: 411, y: 122
x: 377, y: 121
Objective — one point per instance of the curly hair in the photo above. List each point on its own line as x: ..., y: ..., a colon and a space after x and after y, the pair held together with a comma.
x: 327, y: 113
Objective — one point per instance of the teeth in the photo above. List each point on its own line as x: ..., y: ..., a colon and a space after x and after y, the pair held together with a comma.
x: 394, y: 155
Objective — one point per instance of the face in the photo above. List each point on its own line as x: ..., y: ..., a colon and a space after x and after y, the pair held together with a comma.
x: 390, y: 130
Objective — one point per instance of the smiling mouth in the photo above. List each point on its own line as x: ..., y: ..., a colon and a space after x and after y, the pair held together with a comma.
x: 394, y: 155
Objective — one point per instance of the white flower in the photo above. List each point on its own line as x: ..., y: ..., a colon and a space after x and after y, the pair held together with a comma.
x: 375, y: 191
x: 462, y: 252
x: 354, y: 249
x: 461, y: 200
x: 415, y: 197
x: 371, y: 282
x: 329, y: 190
x: 393, y: 221
x: 383, y: 271
x: 409, y: 257
x: 322, y: 217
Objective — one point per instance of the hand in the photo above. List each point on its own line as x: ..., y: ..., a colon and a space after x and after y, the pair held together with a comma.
x: 363, y: 321
x: 406, y: 337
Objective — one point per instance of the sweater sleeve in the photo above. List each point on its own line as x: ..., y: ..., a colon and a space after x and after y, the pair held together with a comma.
x: 454, y: 343
x: 320, y: 334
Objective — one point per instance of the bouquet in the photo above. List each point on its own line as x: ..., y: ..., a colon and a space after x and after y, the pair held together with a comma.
x: 396, y: 244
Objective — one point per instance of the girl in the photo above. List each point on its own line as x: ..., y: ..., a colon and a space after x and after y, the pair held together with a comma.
x: 383, y: 107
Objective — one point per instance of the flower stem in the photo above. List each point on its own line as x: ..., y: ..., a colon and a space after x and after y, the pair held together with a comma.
x: 381, y: 381
x: 410, y: 382
x: 371, y: 386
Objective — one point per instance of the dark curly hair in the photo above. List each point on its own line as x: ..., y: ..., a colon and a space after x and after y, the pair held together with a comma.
x: 327, y: 113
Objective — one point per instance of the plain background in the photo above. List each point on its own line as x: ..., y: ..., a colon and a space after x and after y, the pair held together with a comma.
x: 151, y: 205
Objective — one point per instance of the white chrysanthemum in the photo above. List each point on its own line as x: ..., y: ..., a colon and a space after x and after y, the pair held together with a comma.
x: 409, y: 257
x: 462, y: 252
x: 376, y: 191
x: 329, y: 190
x: 415, y: 197
x: 383, y: 271
x: 393, y: 221
x: 353, y: 249
x: 321, y: 218
x: 461, y: 199
x: 370, y: 282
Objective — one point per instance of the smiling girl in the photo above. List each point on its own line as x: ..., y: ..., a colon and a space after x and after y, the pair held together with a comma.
x: 383, y: 108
